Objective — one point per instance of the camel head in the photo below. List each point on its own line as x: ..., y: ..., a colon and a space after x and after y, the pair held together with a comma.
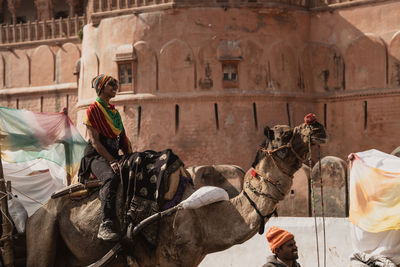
x: 289, y: 146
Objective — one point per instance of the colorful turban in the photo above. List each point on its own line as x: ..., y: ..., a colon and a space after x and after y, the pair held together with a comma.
x: 99, y: 81
x: 277, y: 237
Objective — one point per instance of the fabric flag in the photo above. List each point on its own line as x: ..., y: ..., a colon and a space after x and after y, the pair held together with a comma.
x: 33, y: 135
x: 374, y: 191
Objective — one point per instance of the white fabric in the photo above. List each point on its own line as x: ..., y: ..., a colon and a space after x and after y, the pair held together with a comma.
x: 385, y: 244
x: 204, y: 196
x: 18, y: 214
x: 34, y: 181
x: 380, y: 160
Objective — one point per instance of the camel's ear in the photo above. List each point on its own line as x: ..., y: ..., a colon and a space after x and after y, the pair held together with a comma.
x: 269, y: 133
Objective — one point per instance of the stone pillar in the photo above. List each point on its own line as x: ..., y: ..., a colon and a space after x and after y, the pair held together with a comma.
x: 45, y: 9
x: 13, y: 5
x: 72, y: 7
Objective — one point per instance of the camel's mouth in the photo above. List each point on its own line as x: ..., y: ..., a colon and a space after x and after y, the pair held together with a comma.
x: 318, y: 135
x: 318, y: 140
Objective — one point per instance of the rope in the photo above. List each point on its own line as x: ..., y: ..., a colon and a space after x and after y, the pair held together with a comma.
x: 6, y: 194
x: 27, y: 167
x: 322, y: 203
x: 34, y: 200
x: 313, y: 198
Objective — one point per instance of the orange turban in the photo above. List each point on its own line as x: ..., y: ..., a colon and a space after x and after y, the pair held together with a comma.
x: 277, y: 237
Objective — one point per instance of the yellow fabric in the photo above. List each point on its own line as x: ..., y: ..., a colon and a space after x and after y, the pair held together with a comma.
x: 115, y: 130
x: 374, y: 198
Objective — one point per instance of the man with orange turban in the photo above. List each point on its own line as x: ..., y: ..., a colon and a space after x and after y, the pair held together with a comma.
x: 283, y: 246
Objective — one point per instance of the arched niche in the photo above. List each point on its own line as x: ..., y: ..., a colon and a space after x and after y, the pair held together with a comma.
x: 17, y: 69
x: 89, y: 69
x: 366, y: 65
x: 334, y: 186
x: 42, y: 66
x: 394, y: 60
x: 323, y: 66
x: 283, y: 68
x: 67, y: 57
x: 177, y: 67
x: 252, y: 71
x: 146, y: 68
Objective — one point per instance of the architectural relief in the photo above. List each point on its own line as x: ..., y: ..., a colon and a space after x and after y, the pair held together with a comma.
x: 327, y: 67
x: 146, y: 76
x: 364, y: 56
x: 181, y: 75
x: 42, y: 66
x: 283, y: 70
x: 67, y: 57
x: 394, y: 61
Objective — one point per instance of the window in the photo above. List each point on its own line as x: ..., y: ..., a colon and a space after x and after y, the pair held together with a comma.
x: 126, y: 62
x: 230, y: 73
x: 125, y: 76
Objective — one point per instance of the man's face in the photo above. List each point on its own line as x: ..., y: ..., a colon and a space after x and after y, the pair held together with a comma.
x: 110, y: 90
x: 288, y: 251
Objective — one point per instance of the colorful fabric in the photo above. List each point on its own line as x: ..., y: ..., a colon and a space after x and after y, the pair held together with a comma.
x: 106, y: 120
x: 310, y: 118
x: 277, y: 237
x: 99, y: 81
x: 374, y: 191
x: 31, y: 135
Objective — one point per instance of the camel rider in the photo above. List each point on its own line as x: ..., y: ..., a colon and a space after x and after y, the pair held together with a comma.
x: 283, y: 246
x: 101, y: 157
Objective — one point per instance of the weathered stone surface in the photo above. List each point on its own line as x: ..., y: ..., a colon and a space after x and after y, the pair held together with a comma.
x: 296, y: 203
x: 334, y: 187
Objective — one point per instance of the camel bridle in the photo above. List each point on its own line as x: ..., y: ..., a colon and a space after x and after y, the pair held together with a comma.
x: 270, y: 154
x: 289, y: 145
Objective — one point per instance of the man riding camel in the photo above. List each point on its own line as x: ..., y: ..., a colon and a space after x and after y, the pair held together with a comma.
x: 101, y: 157
x: 284, y: 247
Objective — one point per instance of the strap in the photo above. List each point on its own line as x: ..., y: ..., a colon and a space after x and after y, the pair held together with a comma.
x: 262, y: 218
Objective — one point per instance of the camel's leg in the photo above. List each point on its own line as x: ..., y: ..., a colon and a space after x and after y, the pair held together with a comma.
x: 41, y: 239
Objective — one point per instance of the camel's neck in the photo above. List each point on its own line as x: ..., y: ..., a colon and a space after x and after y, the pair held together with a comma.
x: 239, y: 215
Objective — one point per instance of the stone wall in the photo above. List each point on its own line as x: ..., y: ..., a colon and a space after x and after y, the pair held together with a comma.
x: 41, y: 78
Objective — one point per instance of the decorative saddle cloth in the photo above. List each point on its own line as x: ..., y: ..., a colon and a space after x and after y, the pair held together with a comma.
x: 147, y: 178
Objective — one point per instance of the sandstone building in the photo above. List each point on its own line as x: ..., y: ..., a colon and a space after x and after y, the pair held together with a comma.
x: 205, y: 77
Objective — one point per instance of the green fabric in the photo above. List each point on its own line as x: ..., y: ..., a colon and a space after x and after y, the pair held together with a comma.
x: 112, y: 113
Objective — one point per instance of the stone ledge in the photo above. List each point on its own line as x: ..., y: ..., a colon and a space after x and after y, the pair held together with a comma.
x: 56, y: 41
x: 97, y: 16
x: 344, y: 5
x: 251, y: 95
x: 46, y: 89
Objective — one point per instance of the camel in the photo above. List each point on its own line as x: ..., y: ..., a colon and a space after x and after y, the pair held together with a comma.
x: 63, y: 232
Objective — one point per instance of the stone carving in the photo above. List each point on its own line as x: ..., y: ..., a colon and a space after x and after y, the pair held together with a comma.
x: 207, y: 82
